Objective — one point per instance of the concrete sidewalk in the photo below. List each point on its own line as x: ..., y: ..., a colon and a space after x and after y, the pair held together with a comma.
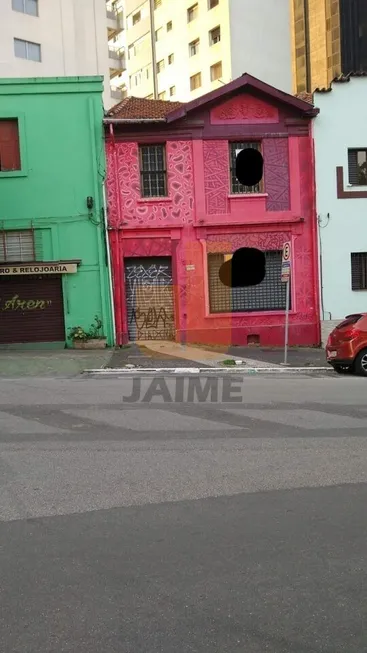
x: 158, y: 353
x: 297, y: 356
x: 151, y: 354
x: 60, y: 362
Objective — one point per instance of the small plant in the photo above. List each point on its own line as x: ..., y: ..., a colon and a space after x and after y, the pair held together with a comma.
x: 78, y: 333
x: 95, y: 329
x: 92, y: 339
x: 229, y: 361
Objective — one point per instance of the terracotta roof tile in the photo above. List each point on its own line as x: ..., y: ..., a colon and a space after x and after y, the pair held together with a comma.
x: 141, y: 108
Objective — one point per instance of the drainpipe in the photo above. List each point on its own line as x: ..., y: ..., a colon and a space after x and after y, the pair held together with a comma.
x: 118, y: 294
x: 154, y: 55
x: 109, y: 263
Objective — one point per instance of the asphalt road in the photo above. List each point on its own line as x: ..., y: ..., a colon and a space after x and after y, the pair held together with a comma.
x: 160, y: 526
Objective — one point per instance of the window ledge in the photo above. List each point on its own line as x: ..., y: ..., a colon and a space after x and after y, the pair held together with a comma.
x: 12, y: 173
x: 277, y: 313
x: 241, y: 196
x: 144, y: 200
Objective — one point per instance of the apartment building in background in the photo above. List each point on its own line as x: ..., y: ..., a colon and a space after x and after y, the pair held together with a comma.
x: 58, y: 38
x: 181, y: 49
x: 329, y: 39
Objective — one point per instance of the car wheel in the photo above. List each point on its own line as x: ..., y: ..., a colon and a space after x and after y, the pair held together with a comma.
x: 360, y: 364
x: 342, y: 369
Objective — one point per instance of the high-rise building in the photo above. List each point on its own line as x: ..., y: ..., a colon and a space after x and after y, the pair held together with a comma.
x: 181, y: 49
x: 329, y: 39
x: 57, y: 38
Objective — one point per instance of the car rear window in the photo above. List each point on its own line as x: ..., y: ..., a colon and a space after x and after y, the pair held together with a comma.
x: 349, y: 320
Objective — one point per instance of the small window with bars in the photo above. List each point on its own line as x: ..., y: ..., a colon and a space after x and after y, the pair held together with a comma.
x: 269, y: 295
x: 236, y: 187
x: 359, y: 270
x: 17, y: 246
x: 153, y: 173
x: 357, y: 166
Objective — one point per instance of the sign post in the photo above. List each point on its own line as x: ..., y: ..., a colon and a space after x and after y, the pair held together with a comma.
x: 285, y: 278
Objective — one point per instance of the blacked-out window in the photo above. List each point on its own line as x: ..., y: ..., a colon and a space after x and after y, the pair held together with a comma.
x: 9, y: 145
x: 236, y: 187
x: 153, y: 172
x: 359, y: 270
x: 269, y: 295
x: 357, y: 167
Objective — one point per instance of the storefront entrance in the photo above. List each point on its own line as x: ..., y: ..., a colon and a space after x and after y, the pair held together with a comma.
x: 149, y: 298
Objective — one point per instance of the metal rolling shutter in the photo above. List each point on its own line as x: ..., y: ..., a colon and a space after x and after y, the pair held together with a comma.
x: 149, y: 298
x: 31, y: 309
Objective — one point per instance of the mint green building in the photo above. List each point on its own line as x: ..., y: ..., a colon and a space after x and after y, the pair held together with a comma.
x: 54, y: 254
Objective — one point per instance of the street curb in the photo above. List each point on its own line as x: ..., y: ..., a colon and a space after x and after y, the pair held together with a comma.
x: 204, y: 370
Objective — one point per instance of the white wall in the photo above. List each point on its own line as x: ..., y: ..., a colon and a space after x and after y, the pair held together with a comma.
x: 72, y: 34
x: 261, y: 41
x: 340, y: 125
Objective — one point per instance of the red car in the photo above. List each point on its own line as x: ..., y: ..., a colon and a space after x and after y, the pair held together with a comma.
x: 346, y: 348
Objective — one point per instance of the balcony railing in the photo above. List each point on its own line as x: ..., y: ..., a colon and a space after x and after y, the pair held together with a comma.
x: 115, y: 20
x: 117, y: 60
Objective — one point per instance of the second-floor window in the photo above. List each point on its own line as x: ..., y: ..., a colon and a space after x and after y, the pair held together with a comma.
x: 234, y: 150
x: 153, y: 173
x: 17, y: 246
x: 357, y: 166
x: 29, y: 7
x: 9, y: 145
x: 236, y: 187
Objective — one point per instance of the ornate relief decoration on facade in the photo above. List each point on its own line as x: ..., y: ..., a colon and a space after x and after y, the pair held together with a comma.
x: 246, y: 109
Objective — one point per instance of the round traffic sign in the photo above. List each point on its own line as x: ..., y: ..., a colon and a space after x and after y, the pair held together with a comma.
x: 286, y: 252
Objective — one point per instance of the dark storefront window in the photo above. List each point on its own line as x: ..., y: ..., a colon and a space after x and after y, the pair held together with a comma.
x: 270, y: 295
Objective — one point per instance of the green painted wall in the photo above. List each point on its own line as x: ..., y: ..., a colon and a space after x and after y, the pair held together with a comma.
x: 63, y: 162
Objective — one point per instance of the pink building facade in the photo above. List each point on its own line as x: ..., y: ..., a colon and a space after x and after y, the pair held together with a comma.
x: 176, y: 212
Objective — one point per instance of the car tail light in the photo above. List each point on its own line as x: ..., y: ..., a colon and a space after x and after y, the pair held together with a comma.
x: 349, y: 334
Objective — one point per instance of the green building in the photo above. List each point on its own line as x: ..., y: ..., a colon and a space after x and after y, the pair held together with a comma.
x: 54, y: 258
